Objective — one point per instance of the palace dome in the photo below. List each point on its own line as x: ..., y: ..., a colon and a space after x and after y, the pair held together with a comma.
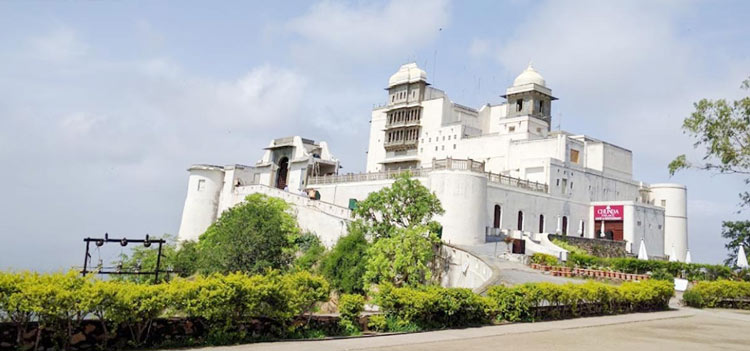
x: 528, y: 76
x: 408, y: 73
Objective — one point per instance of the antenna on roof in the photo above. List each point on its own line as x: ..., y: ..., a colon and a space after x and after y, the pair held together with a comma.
x: 559, y: 121
x: 434, y: 58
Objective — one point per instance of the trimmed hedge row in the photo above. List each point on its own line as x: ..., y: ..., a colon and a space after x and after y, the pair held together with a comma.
x: 435, y: 307
x: 225, y: 303
x: 721, y: 293
x: 691, y: 271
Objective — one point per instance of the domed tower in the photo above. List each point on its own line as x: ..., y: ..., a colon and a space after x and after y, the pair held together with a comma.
x: 673, y: 197
x: 530, y: 96
x: 406, y: 90
x: 202, y: 200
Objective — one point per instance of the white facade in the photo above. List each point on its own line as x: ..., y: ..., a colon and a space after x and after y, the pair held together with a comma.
x: 282, y: 172
x: 499, y: 168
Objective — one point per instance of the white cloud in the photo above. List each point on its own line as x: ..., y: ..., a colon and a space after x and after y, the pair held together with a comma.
x: 61, y: 44
x: 619, y: 66
x: 367, y: 31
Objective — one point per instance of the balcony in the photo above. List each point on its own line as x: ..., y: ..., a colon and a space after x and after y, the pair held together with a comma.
x: 397, y: 145
x: 403, y: 123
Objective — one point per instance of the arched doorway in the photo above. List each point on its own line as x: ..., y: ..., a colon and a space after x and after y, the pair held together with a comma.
x: 498, y: 213
x: 541, y: 223
x: 520, y: 220
x: 281, y: 173
x: 565, y: 225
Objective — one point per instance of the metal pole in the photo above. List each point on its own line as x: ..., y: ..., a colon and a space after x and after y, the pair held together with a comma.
x: 86, y: 257
x: 158, y: 263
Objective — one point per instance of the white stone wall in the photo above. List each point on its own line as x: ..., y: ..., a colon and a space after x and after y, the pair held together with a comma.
x: 325, y: 220
x: 463, y: 195
x: 463, y: 270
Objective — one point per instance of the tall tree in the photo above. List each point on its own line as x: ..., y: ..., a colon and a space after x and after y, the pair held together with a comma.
x: 722, y: 128
x: 344, y: 265
x: 183, y: 260
x: 404, y: 259
x: 406, y: 203
x: 738, y: 234
x: 253, y: 236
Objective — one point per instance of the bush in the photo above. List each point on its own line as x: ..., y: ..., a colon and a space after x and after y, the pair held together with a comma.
x: 227, y: 303
x: 435, y: 307
x: 377, y: 322
x: 535, y: 301
x: 690, y: 271
x: 350, y: 307
x: 662, y: 274
x: 508, y: 304
x: 345, y: 265
x: 570, y: 247
x: 545, y: 259
x: 404, y: 259
x: 254, y: 236
x: 310, y: 251
x: 432, y: 307
x: 720, y: 293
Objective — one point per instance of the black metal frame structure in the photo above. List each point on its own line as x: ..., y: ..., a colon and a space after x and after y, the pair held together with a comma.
x: 147, y: 242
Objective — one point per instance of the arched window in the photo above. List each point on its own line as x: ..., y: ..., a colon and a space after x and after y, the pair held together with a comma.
x: 520, y: 220
x: 281, y: 173
x: 541, y: 223
x: 565, y: 225
x: 498, y: 214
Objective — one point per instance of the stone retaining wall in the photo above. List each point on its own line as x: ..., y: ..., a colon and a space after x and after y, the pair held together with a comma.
x: 164, y: 333
x: 596, y: 247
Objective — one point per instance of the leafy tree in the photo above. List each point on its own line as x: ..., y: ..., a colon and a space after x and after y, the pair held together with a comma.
x: 738, y: 234
x: 182, y: 259
x: 252, y: 237
x: 344, y: 266
x: 406, y: 203
x: 310, y: 252
x: 404, y: 259
x: 723, y: 129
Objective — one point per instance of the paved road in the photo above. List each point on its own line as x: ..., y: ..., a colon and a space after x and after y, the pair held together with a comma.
x: 683, y: 330
x: 511, y: 273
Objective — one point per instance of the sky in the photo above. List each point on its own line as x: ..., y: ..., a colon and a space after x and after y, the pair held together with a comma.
x: 104, y: 105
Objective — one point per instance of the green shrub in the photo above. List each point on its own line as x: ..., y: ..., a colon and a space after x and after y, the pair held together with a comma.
x: 720, y: 293
x: 545, y: 259
x: 570, y: 247
x: 690, y: 271
x: 403, y: 259
x: 254, y: 236
x: 227, y: 303
x: 432, y: 306
x: 344, y: 266
x: 350, y: 307
x: 533, y: 301
x: 508, y: 304
x: 310, y: 250
x: 662, y: 274
x: 377, y: 322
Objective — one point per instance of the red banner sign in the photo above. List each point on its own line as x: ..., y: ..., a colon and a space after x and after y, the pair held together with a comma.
x: 608, y: 212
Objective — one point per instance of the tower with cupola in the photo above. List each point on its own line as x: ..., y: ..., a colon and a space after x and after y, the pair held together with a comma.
x: 530, y: 97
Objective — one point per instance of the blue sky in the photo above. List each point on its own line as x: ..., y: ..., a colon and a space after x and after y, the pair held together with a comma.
x: 105, y: 104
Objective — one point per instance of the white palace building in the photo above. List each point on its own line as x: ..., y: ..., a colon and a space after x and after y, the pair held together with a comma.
x: 498, y: 169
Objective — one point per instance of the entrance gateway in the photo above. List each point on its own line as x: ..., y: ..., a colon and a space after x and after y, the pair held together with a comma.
x: 608, y: 220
